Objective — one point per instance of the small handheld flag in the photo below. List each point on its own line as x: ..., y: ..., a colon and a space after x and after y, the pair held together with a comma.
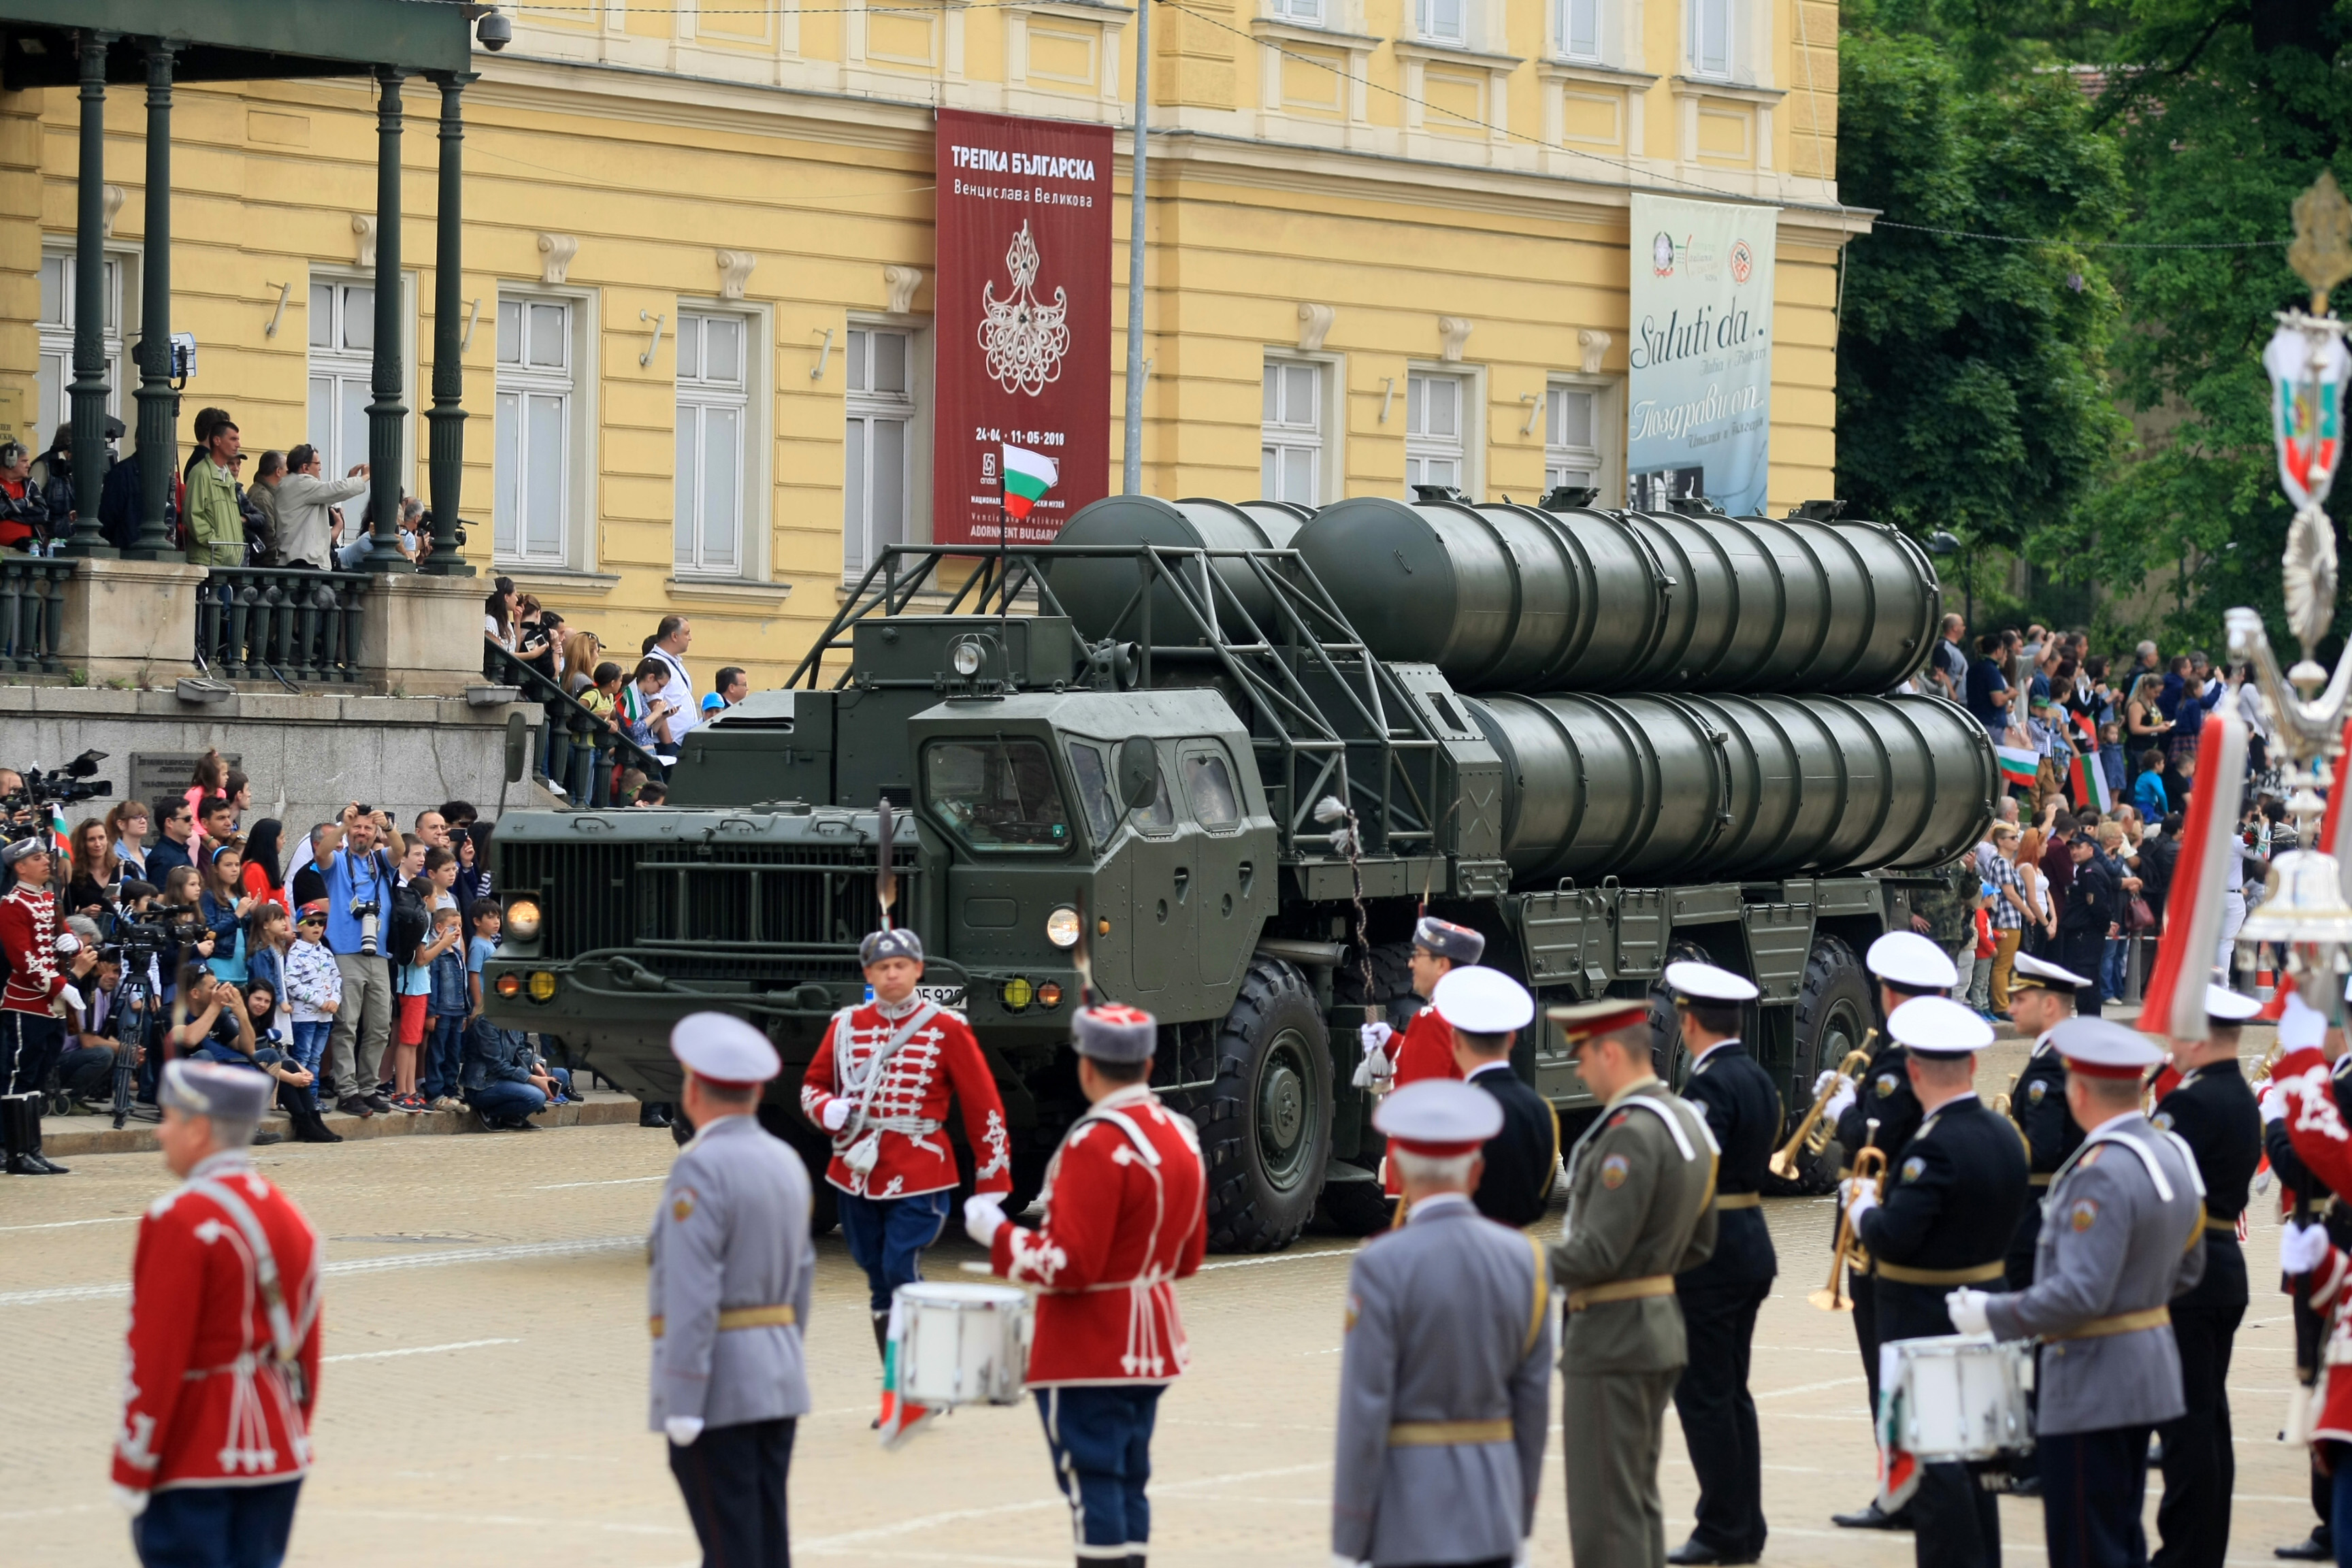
x: 1027, y: 477
x: 2018, y: 764
x: 2091, y: 778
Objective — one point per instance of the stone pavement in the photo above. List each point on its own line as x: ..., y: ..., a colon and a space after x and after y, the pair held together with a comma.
x: 483, y: 1400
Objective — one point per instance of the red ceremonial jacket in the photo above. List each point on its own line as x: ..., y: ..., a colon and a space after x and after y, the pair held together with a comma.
x: 910, y: 1107
x: 1121, y: 1226
x: 206, y: 1403
x: 1427, y: 1051
x: 28, y: 930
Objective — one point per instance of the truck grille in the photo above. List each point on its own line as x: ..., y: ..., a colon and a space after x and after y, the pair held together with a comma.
x: 602, y: 896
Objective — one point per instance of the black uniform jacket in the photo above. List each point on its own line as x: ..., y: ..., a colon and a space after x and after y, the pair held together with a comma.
x: 1522, y: 1157
x: 1951, y: 1204
x: 1743, y: 1109
x: 1883, y: 1094
x: 2037, y: 1103
x: 2214, y: 1113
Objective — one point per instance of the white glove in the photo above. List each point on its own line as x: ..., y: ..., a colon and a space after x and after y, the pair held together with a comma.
x: 1524, y: 1553
x: 1966, y: 1310
x: 1839, y: 1104
x: 72, y: 998
x: 1822, y: 1079
x: 1376, y: 1037
x: 683, y: 1429
x: 983, y: 1217
x: 1376, y: 1069
x: 2274, y: 1103
x: 131, y: 1501
x: 2302, y: 1247
x: 1864, y: 1199
x: 836, y: 1113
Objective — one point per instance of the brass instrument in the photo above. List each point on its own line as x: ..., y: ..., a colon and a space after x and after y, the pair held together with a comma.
x: 1870, y: 1163
x: 2000, y: 1104
x: 1813, y: 1131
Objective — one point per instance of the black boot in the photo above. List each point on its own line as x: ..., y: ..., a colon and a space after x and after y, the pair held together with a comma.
x: 309, y: 1127
x: 12, y: 1140
x: 24, y: 1112
x: 882, y: 1335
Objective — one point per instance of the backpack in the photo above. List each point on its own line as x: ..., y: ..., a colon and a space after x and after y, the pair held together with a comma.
x: 409, y: 925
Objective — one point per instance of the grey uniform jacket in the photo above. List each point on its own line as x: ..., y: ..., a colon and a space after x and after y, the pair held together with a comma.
x: 1449, y: 1319
x: 2120, y: 1233
x: 733, y: 1232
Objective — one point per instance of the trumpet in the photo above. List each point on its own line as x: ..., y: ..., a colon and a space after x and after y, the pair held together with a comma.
x: 1871, y: 1164
x: 1813, y: 1133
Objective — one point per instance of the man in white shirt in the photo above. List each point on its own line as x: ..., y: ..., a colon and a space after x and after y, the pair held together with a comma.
x: 305, y: 529
x: 670, y: 640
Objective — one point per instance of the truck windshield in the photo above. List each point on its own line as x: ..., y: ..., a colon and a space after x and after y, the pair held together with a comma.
x: 997, y: 794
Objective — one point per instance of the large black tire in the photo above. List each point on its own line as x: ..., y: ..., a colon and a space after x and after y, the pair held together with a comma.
x: 1355, y: 1208
x: 1266, y: 1122
x: 1833, y: 1014
x: 1392, y: 989
x: 815, y: 1151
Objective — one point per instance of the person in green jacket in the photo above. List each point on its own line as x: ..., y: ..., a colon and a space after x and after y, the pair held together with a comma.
x: 216, y: 525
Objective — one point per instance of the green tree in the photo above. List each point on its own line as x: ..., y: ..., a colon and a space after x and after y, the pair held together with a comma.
x: 1972, y: 390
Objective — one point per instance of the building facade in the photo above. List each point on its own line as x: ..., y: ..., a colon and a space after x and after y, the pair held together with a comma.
x: 1387, y: 244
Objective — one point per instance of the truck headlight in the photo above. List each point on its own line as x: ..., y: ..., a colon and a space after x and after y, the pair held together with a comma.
x: 522, y: 918
x: 1062, y: 927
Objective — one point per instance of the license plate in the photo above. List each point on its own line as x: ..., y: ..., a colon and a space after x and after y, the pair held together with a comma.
x: 936, y: 995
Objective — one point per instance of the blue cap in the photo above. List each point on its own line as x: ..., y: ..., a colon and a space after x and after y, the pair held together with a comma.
x: 1444, y: 939
x: 896, y: 943
x: 1114, y: 1032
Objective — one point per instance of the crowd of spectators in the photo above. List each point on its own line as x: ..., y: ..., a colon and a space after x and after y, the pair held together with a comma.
x: 345, y: 964
x: 2076, y: 866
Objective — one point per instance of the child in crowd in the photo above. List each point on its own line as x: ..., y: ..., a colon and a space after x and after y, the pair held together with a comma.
x: 269, y: 931
x: 314, y: 990
x: 486, y: 919
x: 417, y: 981
x: 1978, y: 992
x: 448, y: 1002
x: 2147, y: 790
x: 2112, y: 760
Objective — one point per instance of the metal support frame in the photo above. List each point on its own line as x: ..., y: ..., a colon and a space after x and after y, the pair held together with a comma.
x: 90, y: 388
x: 387, y: 416
x: 159, y: 406
x: 445, y: 420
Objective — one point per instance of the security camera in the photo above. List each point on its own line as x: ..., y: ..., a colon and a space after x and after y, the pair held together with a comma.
x: 495, y: 31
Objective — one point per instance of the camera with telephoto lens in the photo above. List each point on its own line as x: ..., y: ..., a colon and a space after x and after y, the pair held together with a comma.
x: 365, y: 910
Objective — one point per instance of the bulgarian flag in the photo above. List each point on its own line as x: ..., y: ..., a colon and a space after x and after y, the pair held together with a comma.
x: 1027, y: 477
x: 2090, y: 778
x: 2018, y: 764
x: 2173, y: 1002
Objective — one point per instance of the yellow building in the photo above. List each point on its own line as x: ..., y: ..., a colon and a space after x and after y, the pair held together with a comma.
x: 1386, y: 242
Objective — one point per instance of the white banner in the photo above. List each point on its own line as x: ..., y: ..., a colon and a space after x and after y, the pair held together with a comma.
x: 1699, y: 392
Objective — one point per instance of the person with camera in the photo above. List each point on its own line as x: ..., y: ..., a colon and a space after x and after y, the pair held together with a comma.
x: 86, y: 1067
x: 360, y: 882
x: 33, y: 1003
x: 213, y: 1022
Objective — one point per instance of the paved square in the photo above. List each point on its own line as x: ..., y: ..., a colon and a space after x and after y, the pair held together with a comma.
x: 484, y: 1398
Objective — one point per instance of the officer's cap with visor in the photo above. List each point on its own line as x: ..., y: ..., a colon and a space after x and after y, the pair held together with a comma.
x: 1707, y: 985
x: 2033, y: 973
x: 2226, y: 1009
x: 2097, y: 1047
x: 1909, y: 963
x: 1114, y: 1032
x: 1444, y: 939
x: 1481, y: 1001
x: 722, y: 1049
x: 896, y: 943
x: 230, y: 1096
x: 1439, y: 1118
x: 1937, y: 1028
x: 1586, y: 1021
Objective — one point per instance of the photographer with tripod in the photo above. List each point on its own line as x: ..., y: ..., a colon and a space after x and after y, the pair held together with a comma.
x: 34, y: 1002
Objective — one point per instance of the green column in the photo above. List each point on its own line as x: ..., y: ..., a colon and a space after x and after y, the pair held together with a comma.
x: 445, y: 420
x: 90, y: 387
x: 387, y: 415
x: 159, y: 406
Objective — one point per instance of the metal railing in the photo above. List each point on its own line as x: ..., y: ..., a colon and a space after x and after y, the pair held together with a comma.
x: 31, y: 613
x: 579, y: 749
x: 287, y: 622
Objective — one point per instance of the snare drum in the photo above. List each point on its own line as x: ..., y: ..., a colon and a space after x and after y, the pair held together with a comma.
x: 961, y: 1344
x: 1958, y: 1397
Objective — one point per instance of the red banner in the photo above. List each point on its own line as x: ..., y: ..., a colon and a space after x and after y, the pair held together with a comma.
x: 1023, y: 319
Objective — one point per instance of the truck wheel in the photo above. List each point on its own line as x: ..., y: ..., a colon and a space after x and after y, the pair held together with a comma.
x: 815, y: 1151
x: 1266, y: 1123
x: 1355, y: 1208
x: 1392, y: 989
x: 1833, y: 1014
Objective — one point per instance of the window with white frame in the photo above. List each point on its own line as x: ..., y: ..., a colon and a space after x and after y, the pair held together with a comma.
x: 1292, y: 449
x: 342, y: 359
x: 714, y: 400
x: 878, y: 451
x: 1571, y: 435
x: 1440, y: 19
x: 1433, y: 446
x: 1305, y: 13
x: 1710, y: 38
x: 1579, y: 29
x: 55, y: 377
x: 531, y: 500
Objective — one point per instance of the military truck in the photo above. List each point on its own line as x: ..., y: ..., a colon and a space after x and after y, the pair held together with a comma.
x: 1229, y: 753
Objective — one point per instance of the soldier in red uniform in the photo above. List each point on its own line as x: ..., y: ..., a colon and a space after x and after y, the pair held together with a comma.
x: 32, y: 1007
x: 880, y: 1084
x: 1439, y: 947
x: 1124, y: 1221
x: 223, y: 1358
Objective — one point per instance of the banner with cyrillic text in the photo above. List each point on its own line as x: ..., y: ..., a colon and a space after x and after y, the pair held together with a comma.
x: 1023, y: 321
x: 1698, y: 387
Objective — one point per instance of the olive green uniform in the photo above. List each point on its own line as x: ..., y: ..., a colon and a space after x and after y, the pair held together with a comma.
x: 1641, y: 1188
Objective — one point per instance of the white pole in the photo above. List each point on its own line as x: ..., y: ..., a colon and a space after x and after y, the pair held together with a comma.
x: 1132, y: 478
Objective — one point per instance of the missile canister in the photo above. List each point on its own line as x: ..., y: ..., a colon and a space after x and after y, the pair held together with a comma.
x: 1096, y: 591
